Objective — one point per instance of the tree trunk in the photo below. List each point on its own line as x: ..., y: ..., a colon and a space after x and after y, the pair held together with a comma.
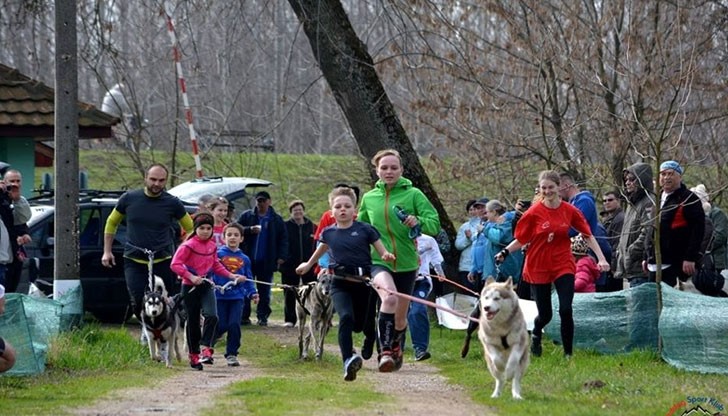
x: 349, y: 71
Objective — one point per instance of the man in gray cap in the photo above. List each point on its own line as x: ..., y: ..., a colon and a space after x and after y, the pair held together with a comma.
x: 266, y: 243
x: 682, y: 223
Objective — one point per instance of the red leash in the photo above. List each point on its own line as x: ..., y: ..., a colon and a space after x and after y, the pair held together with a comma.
x: 422, y: 301
x: 445, y: 279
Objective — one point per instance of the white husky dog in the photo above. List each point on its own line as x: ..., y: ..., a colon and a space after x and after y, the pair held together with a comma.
x: 503, y: 335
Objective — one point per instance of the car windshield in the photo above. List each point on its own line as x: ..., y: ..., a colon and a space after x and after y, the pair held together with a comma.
x: 191, y: 191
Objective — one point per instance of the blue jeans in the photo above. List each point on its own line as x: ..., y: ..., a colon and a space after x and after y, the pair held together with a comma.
x: 263, y: 310
x: 417, y: 319
x: 228, y: 320
x: 636, y: 281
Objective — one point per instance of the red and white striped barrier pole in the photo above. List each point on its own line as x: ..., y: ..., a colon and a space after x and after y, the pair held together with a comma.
x: 183, y: 87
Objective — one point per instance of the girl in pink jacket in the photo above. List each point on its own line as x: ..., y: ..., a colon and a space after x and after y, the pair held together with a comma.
x: 587, y: 271
x: 194, y: 260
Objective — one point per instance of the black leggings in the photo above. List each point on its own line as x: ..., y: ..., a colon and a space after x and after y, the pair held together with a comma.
x: 351, y: 302
x: 541, y: 293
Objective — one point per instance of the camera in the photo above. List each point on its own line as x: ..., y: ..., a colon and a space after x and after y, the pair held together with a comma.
x: 524, y: 204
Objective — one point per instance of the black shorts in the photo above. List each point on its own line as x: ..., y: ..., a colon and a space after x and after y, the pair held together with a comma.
x: 403, y: 281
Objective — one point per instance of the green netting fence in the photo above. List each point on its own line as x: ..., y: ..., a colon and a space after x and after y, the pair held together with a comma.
x: 693, y: 327
x: 30, y: 324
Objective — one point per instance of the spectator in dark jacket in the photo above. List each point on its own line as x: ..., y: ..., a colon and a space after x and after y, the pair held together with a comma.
x: 682, y: 224
x: 301, y: 245
x: 266, y: 243
x: 612, y: 217
x: 719, y: 235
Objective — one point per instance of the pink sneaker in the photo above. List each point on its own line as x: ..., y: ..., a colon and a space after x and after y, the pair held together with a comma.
x: 195, y: 361
x: 207, y: 356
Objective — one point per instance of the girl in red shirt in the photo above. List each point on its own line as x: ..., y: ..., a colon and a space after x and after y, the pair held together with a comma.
x: 545, y: 227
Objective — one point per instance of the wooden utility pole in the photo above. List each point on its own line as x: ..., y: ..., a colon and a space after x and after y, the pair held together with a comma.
x: 66, y: 270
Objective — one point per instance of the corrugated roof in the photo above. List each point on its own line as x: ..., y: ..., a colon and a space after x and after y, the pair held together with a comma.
x: 26, y: 105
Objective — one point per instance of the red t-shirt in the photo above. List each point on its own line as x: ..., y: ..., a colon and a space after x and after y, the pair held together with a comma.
x: 547, y: 230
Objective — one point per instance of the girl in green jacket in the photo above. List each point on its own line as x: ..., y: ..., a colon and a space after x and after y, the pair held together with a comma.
x: 393, y: 194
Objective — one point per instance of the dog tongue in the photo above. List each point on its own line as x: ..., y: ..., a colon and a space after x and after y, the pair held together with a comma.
x: 490, y: 315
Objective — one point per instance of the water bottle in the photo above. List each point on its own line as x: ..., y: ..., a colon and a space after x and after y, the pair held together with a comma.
x: 415, y: 231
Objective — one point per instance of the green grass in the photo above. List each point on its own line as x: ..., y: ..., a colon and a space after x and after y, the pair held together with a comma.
x: 82, y: 366
x: 88, y: 363
x: 306, y: 177
x: 638, y: 383
x: 292, y: 386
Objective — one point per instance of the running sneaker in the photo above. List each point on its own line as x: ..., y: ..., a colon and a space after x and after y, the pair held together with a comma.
x: 398, y: 357
x: 367, y: 349
x: 232, y: 361
x: 386, y: 362
x: 351, y: 367
x: 422, y: 355
x: 207, y: 356
x: 195, y: 361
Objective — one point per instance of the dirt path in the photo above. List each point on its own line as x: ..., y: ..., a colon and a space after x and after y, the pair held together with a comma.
x: 417, y: 389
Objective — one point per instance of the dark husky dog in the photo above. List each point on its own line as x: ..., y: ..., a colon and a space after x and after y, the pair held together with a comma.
x: 314, y: 299
x: 161, y: 323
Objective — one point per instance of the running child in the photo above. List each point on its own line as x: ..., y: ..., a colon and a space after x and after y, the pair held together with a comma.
x: 193, y: 261
x: 230, y: 300
x: 348, y: 245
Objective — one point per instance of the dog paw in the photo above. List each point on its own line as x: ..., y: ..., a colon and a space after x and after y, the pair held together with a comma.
x: 517, y: 396
x: 495, y: 395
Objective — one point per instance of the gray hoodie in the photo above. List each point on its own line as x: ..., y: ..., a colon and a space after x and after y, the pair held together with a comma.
x: 637, y: 217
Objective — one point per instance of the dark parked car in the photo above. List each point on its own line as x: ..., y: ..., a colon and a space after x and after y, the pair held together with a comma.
x: 104, y: 289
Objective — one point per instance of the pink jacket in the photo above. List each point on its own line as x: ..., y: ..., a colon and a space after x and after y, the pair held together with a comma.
x: 587, y: 273
x: 196, y: 257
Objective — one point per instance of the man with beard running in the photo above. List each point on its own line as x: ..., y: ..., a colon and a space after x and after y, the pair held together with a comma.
x: 151, y: 214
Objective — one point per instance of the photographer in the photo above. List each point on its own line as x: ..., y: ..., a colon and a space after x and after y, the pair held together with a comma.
x: 13, y: 181
x: 8, y: 231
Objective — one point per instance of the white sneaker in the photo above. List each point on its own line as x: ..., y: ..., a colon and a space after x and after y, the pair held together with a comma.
x: 289, y: 324
x: 232, y: 361
x: 351, y: 367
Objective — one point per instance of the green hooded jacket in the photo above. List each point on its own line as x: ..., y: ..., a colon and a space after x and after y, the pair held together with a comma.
x: 377, y: 209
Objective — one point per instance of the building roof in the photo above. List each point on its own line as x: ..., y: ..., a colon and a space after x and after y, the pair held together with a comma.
x: 27, y: 110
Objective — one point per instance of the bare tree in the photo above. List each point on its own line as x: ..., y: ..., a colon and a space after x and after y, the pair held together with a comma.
x: 350, y: 73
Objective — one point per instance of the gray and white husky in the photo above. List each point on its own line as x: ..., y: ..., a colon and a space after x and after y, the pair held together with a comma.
x: 161, y: 323
x: 504, y: 335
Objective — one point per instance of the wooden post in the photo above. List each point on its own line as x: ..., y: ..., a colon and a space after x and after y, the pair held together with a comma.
x: 66, y: 270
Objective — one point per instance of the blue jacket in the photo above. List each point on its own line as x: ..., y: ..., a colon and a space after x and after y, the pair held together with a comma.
x: 465, y: 244
x: 585, y: 202
x: 499, y: 236
x: 273, y: 245
x: 237, y: 262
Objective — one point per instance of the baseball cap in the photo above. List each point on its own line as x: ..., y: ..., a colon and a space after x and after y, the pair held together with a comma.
x: 481, y: 201
x: 262, y: 195
x: 671, y: 164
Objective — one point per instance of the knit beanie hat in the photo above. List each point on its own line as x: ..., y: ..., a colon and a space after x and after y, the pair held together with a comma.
x: 204, y: 218
x: 579, y: 247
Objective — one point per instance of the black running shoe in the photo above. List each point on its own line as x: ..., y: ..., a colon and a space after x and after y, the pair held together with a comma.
x: 367, y: 349
x: 536, y: 349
